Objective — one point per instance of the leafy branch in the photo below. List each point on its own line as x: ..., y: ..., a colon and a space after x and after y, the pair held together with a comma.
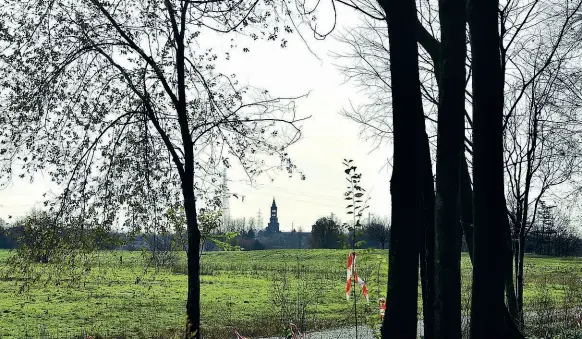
x: 355, y: 197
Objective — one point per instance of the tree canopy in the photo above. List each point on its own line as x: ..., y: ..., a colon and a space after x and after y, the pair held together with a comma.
x: 123, y: 106
x: 326, y: 233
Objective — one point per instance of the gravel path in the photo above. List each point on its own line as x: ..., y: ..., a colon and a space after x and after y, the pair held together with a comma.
x: 364, y: 332
x: 340, y: 333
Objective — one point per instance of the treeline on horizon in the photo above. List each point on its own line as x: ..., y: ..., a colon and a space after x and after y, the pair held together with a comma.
x: 558, y: 239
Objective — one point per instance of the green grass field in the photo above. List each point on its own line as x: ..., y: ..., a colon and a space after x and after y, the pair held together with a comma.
x: 253, y: 291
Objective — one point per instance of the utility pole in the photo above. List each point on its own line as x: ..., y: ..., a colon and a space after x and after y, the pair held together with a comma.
x: 225, y: 201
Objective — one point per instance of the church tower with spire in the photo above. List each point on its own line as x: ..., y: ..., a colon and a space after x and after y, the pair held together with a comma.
x: 273, y: 226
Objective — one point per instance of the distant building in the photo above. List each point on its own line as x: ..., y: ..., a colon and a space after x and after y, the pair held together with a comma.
x: 273, y: 226
x: 273, y: 238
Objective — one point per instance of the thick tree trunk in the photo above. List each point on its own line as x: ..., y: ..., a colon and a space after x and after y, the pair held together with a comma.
x: 427, y: 243
x: 467, y: 222
x: 401, y: 305
x: 487, y: 308
x: 406, y: 185
x: 450, y: 149
x: 193, y: 302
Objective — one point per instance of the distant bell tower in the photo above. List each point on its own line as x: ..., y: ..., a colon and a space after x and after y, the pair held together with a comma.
x: 273, y: 226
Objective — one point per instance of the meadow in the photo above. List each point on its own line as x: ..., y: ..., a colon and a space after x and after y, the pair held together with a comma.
x: 125, y: 295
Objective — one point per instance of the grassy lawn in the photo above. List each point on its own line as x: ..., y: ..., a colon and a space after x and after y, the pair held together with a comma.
x: 253, y: 291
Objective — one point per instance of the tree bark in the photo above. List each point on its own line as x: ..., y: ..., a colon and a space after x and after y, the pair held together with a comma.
x: 466, y: 204
x: 193, y: 301
x: 450, y: 149
x: 427, y: 243
x: 487, y: 308
x: 520, y: 254
x: 187, y: 178
x: 400, y: 320
x: 510, y: 295
x: 467, y: 225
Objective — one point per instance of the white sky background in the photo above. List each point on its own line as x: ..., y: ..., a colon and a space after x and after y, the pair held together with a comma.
x: 328, y: 138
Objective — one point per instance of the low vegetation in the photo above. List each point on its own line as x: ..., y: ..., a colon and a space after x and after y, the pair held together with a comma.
x: 124, y: 294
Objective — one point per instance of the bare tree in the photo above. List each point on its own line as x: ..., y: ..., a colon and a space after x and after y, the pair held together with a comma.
x: 541, y: 115
x: 252, y: 224
x: 536, y: 41
x: 124, y: 109
x: 378, y: 229
x: 368, y: 65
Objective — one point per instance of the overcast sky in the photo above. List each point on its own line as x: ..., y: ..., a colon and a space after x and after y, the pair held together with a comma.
x: 327, y: 139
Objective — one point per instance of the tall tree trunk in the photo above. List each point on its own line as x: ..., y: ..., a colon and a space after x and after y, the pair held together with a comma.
x: 450, y: 149
x: 193, y: 302
x: 487, y: 308
x: 432, y: 46
x: 427, y: 243
x: 467, y: 225
x: 510, y: 295
x: 187, y: 178
x: 400, y: 320
x: 520, y: 254
x: 466, y: 206
x: 515, y: 258
x: 519, y: 233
